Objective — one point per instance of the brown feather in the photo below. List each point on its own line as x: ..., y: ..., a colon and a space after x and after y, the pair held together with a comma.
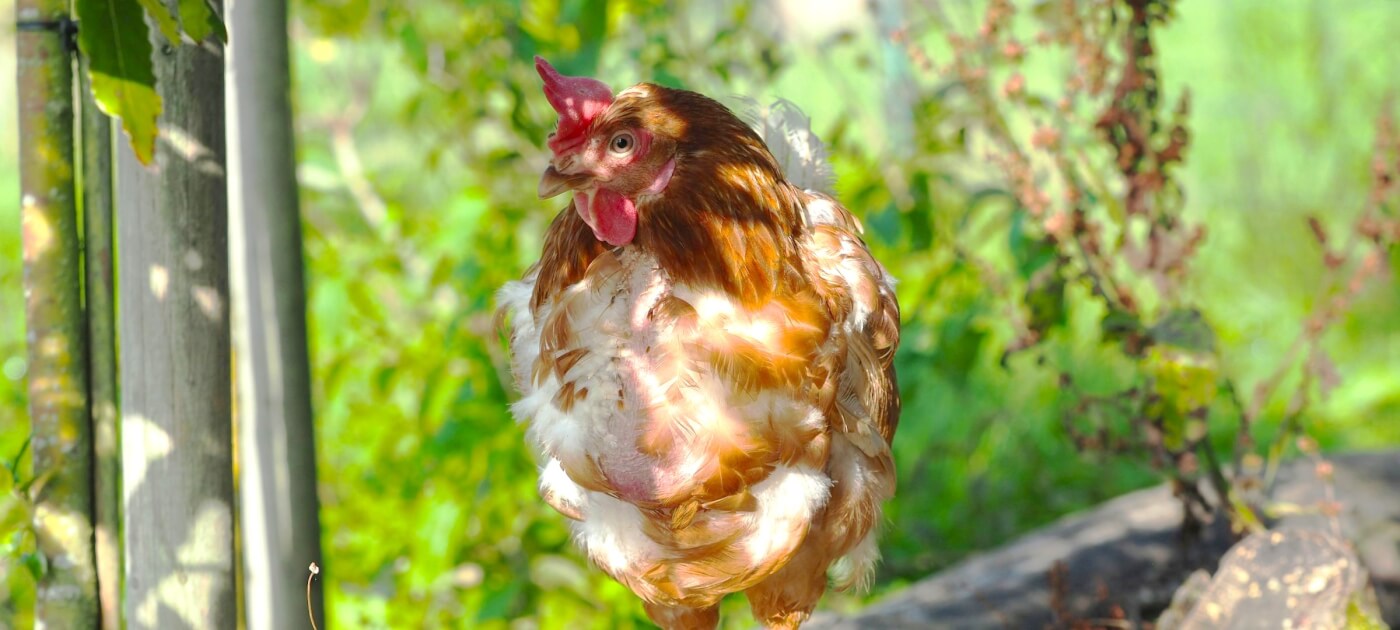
x: 802, y: 350
x: 569, y: 247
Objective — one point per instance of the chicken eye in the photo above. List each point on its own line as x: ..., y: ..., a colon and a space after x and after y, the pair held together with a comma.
x: 622, y: 144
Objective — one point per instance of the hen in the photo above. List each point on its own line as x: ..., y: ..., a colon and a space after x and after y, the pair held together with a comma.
x: 704, y: 353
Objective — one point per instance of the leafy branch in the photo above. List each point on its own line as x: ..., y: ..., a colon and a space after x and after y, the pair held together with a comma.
x: 114, y: 37
x: 1097, y: 202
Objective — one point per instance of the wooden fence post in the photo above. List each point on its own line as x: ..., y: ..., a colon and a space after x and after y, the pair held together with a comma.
x: 58, y: 411
x: 101, y: 310
x: 177, y: 468
x: 277, y: 456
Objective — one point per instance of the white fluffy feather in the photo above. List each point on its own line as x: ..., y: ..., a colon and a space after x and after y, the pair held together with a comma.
x: 857, y: 567
x: 788, y: 133
x: 614, y: 535
x: 787, y: 501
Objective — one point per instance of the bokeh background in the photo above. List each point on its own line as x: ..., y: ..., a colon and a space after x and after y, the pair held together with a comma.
x: 420, y: 130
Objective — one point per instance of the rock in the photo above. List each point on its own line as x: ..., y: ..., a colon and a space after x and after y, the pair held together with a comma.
x: 1366, y: 493
x: 1185, y: 600
x: 1289, y: 578
x: 1122, y: 562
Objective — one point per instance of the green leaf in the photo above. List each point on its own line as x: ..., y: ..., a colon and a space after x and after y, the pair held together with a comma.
x: 1184, y: 328
x: 200, y: 21
x: 591, y: 19
x: 960, y: 344
x: 414, y: 47
x: 884, y: 223
x: 15, y: 514
x: 499, y: 602
x: 920, y: 229
x: 1045, y: 299
x: 164, y: 19
x: 1030, y: 252
x: 1359, y: 618
x: 12, y: 466
x: 1118, y: 324
x: 1246, y: 514
x: 1185, y: 382
x: 36, y: 563
x: 25, y: 487
x: 117, y: 44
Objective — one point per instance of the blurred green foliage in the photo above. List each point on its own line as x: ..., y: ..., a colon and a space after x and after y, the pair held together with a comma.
x: 420, y: 132
x: 16, y: 545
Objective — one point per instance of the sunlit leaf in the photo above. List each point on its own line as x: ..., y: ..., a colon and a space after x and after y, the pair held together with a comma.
x: 14, y: 514
x: 1359, y: 617
x: 1185, y: 382
x: 115, y: 40
x: 12, y: 466
x: 164, y: 19
x: 1245, y: 513
x: 200, y: 21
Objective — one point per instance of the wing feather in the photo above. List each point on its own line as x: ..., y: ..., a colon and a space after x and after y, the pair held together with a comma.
x: 864, y: 407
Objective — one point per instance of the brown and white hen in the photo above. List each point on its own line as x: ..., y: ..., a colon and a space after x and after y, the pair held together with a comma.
x: 704, y: 353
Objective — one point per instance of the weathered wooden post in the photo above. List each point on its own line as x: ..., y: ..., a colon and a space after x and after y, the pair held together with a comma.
x: 58, y: 395
x: 99, y: 293
x: 177, y: 468
x: 277, y: 458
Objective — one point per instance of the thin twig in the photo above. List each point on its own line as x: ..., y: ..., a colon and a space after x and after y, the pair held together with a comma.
x: 309, y: 612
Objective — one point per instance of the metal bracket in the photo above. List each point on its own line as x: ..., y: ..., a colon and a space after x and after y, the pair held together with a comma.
x: 65, y: 27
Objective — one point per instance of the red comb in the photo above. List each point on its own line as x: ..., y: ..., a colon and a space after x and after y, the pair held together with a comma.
x: 577, y: 99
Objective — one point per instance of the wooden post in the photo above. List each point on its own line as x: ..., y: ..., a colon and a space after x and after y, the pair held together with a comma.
x: 102, y: 352
x: 277, y: 457
x: 58, y: 393
x: 176, y: 433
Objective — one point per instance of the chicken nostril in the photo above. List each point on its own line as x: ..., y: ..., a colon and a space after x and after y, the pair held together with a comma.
x: 565, y: 165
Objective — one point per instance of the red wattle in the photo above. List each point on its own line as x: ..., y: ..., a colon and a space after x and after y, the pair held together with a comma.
x: 612, y: 216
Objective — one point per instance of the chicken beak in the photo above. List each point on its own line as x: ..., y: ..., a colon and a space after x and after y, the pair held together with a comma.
x: 552, y: 182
